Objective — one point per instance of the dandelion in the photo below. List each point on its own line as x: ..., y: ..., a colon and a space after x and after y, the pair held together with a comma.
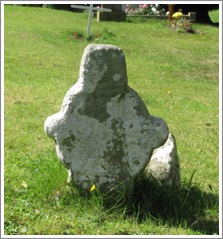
x: 93, y: 187
x: 37, y: 212
x: 24, y: 184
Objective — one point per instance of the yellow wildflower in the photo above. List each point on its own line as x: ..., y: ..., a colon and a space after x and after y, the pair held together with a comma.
x: 177, y: 15
x: 93, y: 187
x: 24, y: 184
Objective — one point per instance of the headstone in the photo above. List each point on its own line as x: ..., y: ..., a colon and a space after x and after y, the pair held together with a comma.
x: 192, y: 16
x: 164, y: 164
x: 104, y: 133
x: 117, y: 14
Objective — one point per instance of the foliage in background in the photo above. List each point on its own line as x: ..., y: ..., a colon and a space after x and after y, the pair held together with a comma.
x: 144, y: 9
x: 214, y: 15
x: 177, y: 77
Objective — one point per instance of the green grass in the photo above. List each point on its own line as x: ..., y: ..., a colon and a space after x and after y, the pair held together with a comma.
x: 177, y: 77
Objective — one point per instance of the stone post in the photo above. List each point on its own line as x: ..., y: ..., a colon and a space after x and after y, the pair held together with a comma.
x: 117, y: 14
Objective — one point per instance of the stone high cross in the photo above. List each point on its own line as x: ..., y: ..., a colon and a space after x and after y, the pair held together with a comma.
x: 90, y: 9
x: 104, y: 133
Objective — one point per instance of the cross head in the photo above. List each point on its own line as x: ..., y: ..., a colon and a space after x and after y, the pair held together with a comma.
x: 90, y: 10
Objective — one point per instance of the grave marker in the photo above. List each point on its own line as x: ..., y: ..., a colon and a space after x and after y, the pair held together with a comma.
x: 104, y: 133
x: 90, y: 10
x: 117, y: 14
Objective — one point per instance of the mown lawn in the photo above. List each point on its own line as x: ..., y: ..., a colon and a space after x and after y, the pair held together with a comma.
x: 177, y: 76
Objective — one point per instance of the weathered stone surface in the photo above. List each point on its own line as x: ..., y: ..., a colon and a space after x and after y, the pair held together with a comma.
x: 164, y: 164
x: 104, y: 133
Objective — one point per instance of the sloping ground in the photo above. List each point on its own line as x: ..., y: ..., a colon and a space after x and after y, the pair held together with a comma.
x: 177, y: 77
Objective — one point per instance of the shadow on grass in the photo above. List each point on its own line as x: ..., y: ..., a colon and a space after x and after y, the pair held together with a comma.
x: 188, y: 206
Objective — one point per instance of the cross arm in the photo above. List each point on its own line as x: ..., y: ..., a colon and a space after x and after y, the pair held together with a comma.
x: 91, y: 8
